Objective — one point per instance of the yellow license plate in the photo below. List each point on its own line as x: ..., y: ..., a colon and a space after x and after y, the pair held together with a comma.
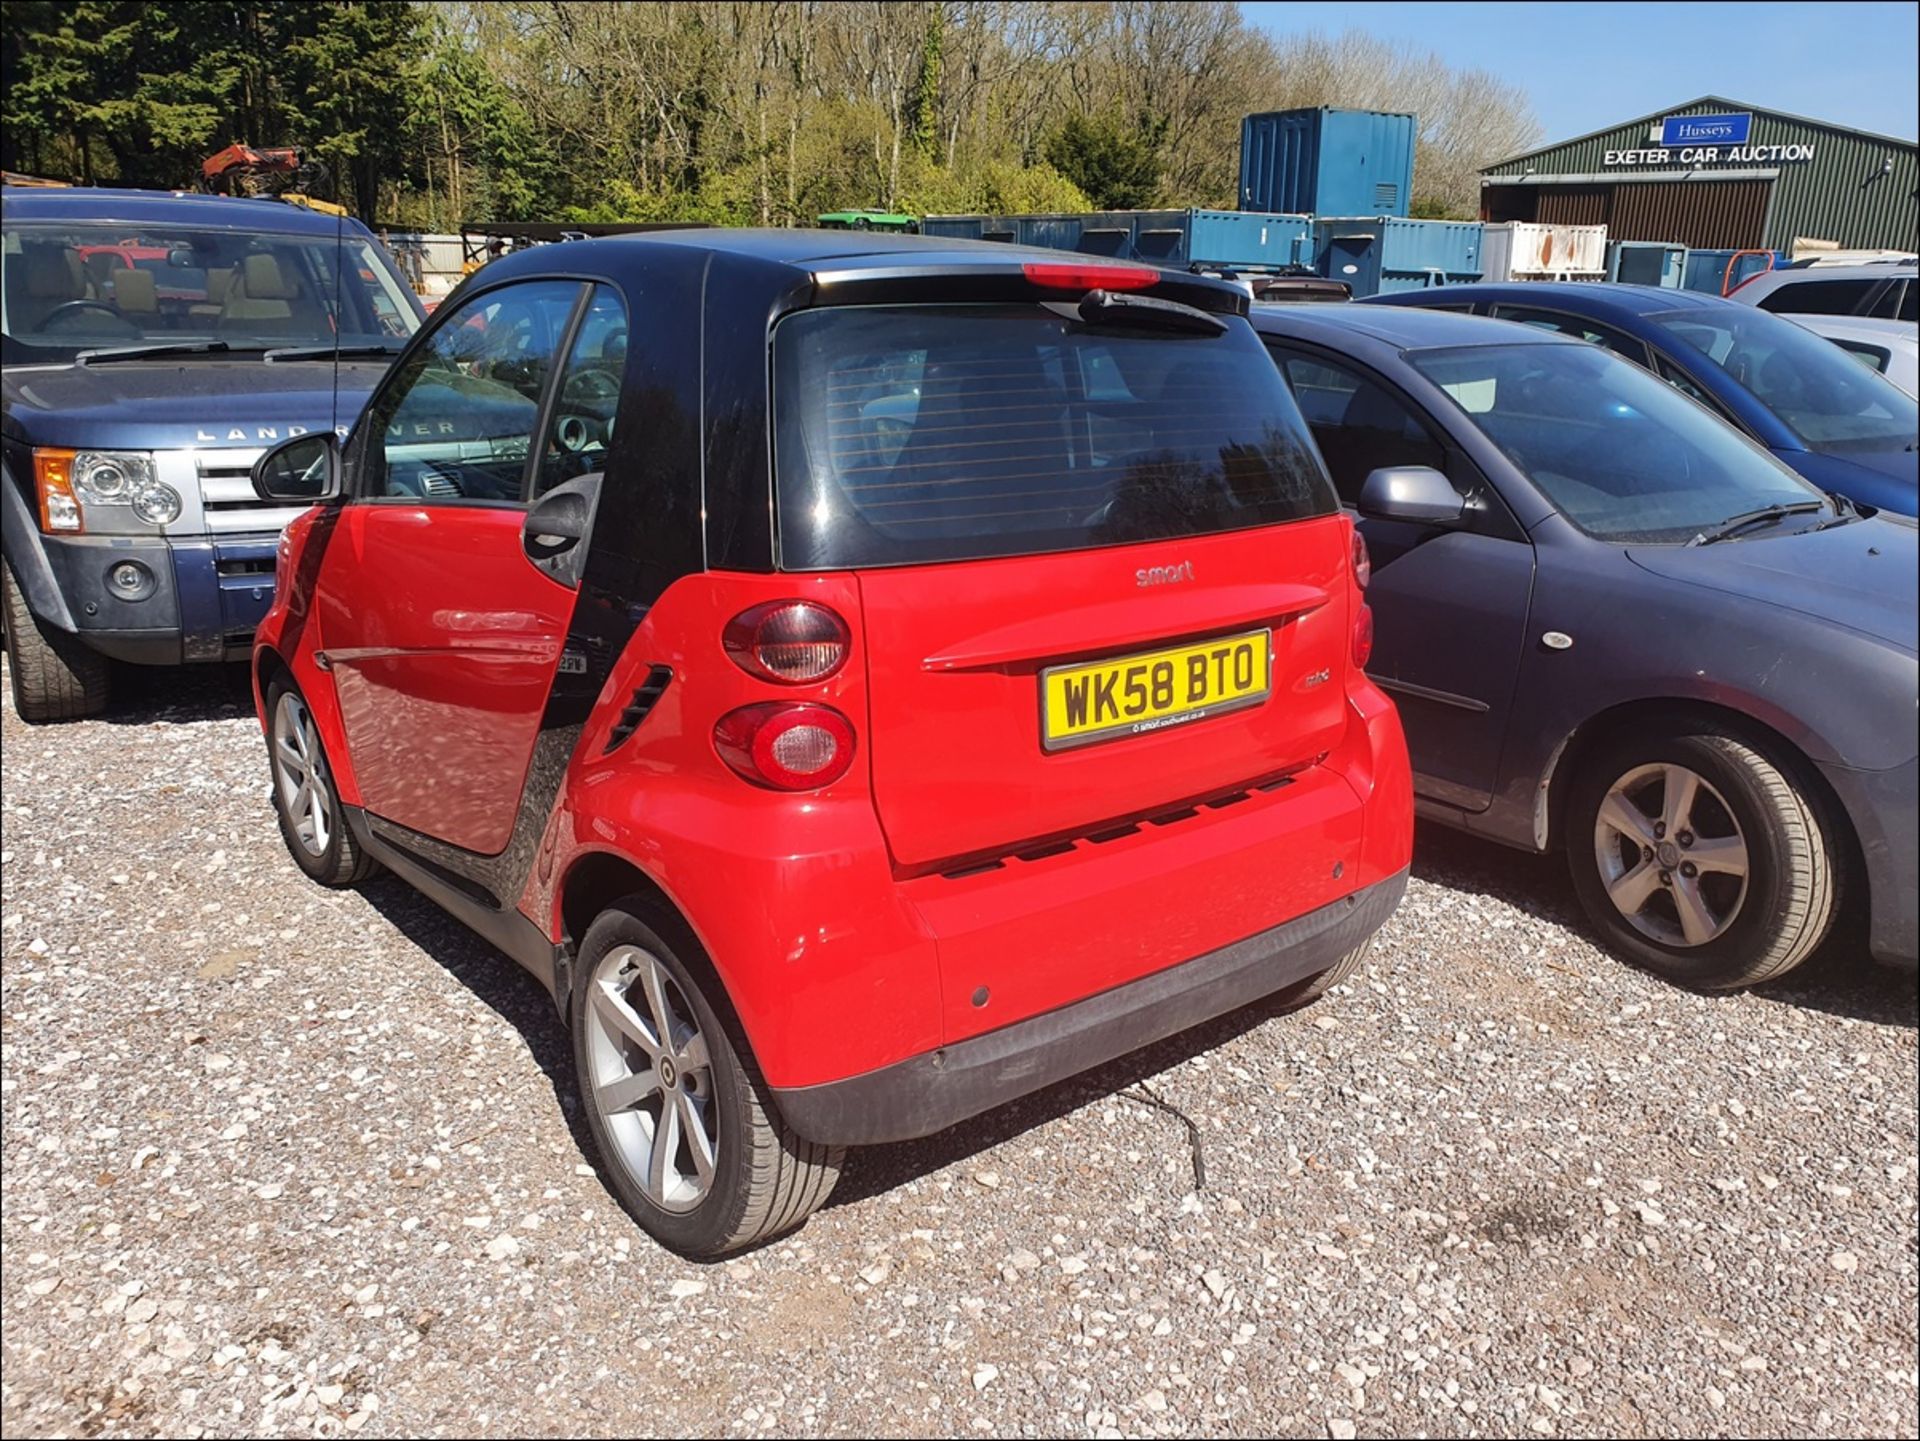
x: 1136, y: 694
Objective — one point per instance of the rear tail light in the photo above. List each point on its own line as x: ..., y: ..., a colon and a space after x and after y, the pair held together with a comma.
x: 1362, y: 562
x: 791, y: 642
x: 785, y: 746
x: 53, y: 483
x: 1363, y: 637
x: 1057, y: 276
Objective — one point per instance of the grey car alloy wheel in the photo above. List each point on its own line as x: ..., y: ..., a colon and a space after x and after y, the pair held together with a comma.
x: 652, y: 1078
x: 1671, y: 855
x: 300, y: 771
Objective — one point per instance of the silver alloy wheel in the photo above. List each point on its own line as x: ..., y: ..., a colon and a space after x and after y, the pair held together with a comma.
x: 300, y: 770
x: 651, y: 1078
x: 1671, y: 855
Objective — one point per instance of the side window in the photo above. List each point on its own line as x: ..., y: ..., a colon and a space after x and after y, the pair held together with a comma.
x: 1874, y: 357
x: 456, y: 421
x: 1358, y: 424
x: 1817, y: 297
x: 1604, y: 336
x: 581, y: 430
x: 1895, y: 302
x: 1687, y: 386
x: 1907, y: 308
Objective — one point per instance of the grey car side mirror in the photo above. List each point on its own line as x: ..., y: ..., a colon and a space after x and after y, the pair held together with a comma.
x: 304, y: 467
x: 1416, y: 493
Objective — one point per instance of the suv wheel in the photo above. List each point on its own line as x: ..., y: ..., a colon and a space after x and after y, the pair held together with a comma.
x: 55, y: 675
x: 304, y: 797
x: 1698, y: 857
x: 692, y: 1144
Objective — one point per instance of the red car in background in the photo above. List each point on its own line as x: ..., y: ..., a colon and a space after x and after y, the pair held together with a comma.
x: 865, y: 678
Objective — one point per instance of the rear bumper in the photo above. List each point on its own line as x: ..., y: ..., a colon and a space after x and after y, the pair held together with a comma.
x: 929, y: 1092
x: 1883, y: 806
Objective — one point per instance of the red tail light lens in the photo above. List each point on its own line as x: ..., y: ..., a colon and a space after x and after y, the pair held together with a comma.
x: 1363, y: 637
x: 791, y: 642
x: 1362, y: 562
x: 785, y: 746
x: 1089, y: 277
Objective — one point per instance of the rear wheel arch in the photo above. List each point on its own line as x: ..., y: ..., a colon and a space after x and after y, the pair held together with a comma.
x: 599, y: 879
x: 1670, y: 716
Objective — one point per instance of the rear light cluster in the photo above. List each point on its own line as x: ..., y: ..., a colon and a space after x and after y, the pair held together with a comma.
x: 787, y: 745
x: 793, y: 642
x: 1363, y: 618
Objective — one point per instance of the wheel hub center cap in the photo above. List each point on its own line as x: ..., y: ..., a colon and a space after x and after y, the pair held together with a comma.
x: 667, y: 1076
x: 1669, y: 854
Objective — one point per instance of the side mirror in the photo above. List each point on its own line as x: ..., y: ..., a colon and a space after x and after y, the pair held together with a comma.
x: 1416, y: 493
x: 304, y: 467
x: 181, y: 257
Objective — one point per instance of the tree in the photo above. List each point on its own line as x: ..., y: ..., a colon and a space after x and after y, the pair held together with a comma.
x: 1112, y: 163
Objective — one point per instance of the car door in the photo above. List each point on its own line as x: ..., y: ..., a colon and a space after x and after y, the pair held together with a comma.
x: 444, y: 605
x: 1450, y: 604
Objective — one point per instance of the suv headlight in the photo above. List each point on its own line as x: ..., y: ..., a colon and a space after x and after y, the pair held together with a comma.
x: 110, y: 492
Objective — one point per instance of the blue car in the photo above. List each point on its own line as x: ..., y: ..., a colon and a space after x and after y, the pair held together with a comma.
x: 1618, y: 628
x: 1844, y: 428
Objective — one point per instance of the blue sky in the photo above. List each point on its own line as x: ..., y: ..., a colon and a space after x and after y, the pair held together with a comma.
x: 1588, y: 66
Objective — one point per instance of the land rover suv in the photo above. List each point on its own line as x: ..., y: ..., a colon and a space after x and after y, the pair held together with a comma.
x: 865, y: 678
x: 154, y: 345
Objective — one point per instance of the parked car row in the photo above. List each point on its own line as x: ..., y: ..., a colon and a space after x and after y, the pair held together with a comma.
x: 972, y: 662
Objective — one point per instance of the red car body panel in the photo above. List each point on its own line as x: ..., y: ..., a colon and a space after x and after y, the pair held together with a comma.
x: 957, y: 763
x: 443, y: 640
x: 809, y: 911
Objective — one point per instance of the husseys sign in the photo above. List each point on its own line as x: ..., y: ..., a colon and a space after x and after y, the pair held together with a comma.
x: 1707, y: 140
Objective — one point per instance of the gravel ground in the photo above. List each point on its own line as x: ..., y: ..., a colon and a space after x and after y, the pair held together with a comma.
x: 285, y: 1161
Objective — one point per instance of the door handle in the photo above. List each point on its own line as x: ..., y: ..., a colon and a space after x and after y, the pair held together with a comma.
x: 557, y: 523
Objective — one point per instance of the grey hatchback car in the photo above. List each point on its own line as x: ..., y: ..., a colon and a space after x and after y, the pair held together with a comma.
x: 1618, y: 627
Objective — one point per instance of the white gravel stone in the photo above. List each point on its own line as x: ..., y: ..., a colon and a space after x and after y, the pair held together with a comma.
x: 1462, y: 1236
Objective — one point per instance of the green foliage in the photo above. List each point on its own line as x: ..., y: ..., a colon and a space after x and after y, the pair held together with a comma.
x: 430, y: 115
x: 1112, y: 162
x: 1433, y: 207
x: 923, y: 125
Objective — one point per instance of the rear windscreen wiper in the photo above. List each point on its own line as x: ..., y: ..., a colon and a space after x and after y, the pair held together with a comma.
x: 1147, y: 312
x: 1766, y: 515
x: 328, y: 352
x: 144, y: 352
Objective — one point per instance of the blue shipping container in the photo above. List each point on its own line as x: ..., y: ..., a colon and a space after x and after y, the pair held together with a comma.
x: 1177, y: 238
x: 1327, y: 162
x: 1379, y: 254
x: 1707, y: 269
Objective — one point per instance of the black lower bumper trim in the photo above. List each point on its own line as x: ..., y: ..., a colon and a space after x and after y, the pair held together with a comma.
x: 930, y: 1092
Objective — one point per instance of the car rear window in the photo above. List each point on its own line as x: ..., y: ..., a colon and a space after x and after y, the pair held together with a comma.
x: 913, y: 434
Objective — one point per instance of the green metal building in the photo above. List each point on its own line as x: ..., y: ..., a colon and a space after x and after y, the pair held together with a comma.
x: 1717, y: 174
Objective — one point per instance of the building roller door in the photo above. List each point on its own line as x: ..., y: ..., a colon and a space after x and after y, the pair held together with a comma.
x: 1701, y: 214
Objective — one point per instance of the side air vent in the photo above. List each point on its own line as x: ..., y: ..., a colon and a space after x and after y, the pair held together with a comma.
x: 636, y: 711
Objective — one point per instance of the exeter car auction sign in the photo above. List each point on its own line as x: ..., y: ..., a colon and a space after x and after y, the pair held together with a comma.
x: 1707, y: 140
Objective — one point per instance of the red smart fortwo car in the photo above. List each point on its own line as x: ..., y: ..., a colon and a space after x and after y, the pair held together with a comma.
x: 865, y: 678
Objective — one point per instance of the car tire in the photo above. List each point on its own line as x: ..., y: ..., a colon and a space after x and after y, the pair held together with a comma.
x: 305, y: 798
x: 1736, y: 879
x: 1305, y: 993
x: 732, y: 1173
x: 55, y: 676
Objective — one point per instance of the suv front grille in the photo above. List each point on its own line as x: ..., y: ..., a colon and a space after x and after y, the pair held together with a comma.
x: 227, y: 498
